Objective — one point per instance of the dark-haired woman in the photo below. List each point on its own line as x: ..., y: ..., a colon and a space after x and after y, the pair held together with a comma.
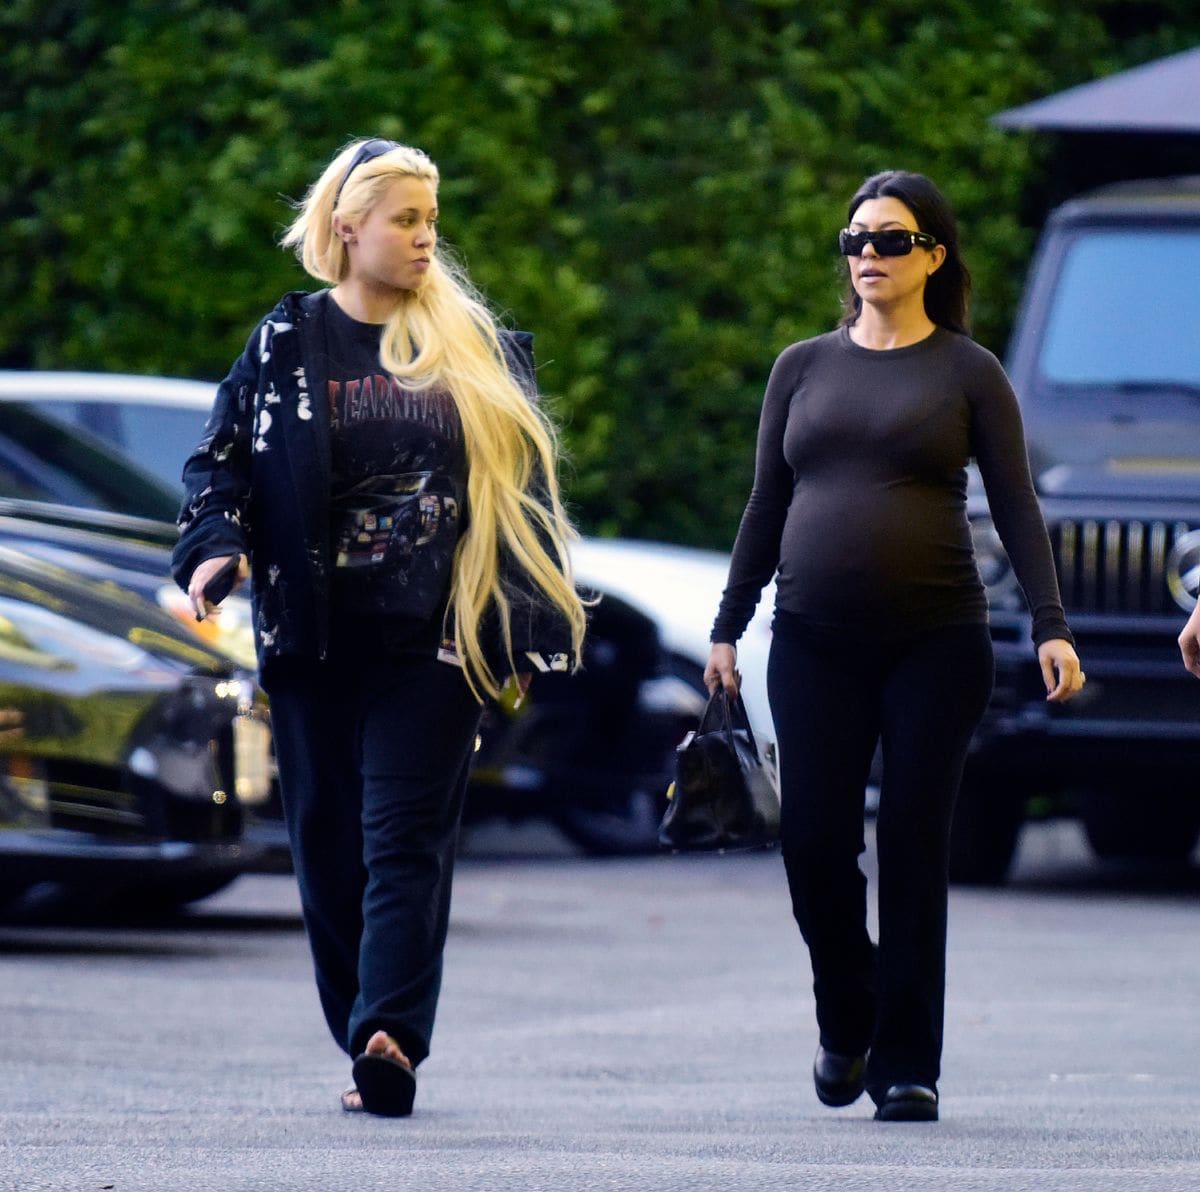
x: 880, y: 633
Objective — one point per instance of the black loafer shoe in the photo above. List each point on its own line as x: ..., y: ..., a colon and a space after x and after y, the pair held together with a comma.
x: 839, y: 1079
x: 908, y: 1103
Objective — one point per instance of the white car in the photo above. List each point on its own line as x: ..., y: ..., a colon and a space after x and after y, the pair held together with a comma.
x: 680, y: 588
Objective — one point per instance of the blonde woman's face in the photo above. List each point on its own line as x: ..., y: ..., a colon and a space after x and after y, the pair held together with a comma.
x: 391, y: 247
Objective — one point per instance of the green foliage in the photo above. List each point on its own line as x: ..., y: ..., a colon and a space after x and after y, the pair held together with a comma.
x: 653, y: 188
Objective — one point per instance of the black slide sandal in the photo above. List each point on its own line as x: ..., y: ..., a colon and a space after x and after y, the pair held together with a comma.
x: 387, y: 1087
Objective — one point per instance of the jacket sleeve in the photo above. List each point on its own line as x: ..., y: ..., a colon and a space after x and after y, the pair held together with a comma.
x: 216, y: 476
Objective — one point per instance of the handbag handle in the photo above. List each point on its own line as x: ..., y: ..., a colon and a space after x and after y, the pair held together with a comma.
x: 729, y: 708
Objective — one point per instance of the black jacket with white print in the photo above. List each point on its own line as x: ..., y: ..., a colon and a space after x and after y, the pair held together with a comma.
x: 258, y: 484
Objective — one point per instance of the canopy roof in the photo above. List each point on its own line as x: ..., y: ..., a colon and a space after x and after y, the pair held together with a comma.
x: 1159, y: 97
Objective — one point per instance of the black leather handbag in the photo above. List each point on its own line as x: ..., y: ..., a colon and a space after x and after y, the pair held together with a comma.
x: 723, y: 796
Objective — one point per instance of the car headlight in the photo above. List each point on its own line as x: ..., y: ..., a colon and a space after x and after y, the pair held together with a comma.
x: 253, y: 764
x: 230, y: 629
x: 995, y: 570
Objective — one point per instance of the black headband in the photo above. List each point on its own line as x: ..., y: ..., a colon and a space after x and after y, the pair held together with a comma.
x: 367, y: 151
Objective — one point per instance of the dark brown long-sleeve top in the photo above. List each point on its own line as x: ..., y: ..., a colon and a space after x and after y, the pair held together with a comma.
x: 859, y: 504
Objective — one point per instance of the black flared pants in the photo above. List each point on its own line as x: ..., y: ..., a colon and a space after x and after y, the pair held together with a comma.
x: 833, y: 698
x: 373, y: 757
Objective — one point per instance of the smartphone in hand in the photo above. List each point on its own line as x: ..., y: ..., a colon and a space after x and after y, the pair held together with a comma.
x: 222, y: 583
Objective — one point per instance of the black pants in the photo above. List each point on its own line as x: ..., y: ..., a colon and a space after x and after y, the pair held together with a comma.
x: 373, y: 758
x: 833, y: 699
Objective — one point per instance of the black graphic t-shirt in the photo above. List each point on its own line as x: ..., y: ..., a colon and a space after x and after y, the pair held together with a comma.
x: 398, y: 492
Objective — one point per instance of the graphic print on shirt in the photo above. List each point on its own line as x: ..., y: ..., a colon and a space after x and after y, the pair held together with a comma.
x: 398, y: 479
x: 388, y: 510
x: 380, y: 397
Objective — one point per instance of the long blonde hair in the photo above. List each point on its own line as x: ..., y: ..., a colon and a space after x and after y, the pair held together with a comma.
x: 442, y: 336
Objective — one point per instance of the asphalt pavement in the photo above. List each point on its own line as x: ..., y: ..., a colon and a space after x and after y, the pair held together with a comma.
x: 627, y: 1024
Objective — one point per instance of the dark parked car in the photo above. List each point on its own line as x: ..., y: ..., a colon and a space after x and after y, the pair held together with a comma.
x: 1105, y: 358
x: 127, y: 745
x: 593, y: 753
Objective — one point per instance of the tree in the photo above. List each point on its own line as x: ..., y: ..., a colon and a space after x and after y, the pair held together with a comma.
x: 653, y: 188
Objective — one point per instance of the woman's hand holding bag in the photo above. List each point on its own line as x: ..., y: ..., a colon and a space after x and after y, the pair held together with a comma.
x: 722, y: 796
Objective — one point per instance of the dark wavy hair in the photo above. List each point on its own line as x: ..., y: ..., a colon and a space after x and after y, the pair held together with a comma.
x: 948, y: 291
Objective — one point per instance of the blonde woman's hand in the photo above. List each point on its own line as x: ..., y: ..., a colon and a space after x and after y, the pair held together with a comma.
x: 1060, y: 669
x: 1189, y: 642
x: 203, y: 576
x: 721, y: 670
x: 522, y: 681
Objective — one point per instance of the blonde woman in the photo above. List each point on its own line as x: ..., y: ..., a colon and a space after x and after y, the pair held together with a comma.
x: 376, y: 464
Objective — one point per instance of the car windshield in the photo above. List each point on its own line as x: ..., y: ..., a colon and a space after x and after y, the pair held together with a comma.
x: 1124, y: 313
x: 44, y: 459
x: 158, y: 438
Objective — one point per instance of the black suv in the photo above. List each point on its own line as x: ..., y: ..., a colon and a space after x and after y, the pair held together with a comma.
x: 1105, y: 357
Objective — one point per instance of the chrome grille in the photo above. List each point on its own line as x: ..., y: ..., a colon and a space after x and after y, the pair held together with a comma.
x: 1106, y: 565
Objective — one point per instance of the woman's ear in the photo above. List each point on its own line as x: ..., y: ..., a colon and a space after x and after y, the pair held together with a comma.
x: 937, y: 254
x: 343, y: 229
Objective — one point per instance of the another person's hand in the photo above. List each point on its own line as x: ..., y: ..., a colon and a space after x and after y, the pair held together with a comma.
x: 1060, y: 669
x: 1189, y: 642
x: 203, y: 575
x: 721, y: 670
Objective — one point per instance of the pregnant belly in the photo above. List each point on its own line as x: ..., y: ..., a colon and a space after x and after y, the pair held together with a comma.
x: 861, y: 559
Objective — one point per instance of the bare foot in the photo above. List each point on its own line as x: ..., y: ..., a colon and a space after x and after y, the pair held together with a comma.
x: 381, y: 1043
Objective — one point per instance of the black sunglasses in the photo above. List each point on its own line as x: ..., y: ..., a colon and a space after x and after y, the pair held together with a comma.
x: 891, y: 242
x: 367, y: 151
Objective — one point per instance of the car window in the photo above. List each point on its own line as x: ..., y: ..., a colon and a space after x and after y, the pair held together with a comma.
x: 157, y: 438
x: 45, y: 459
x: 27, y: 478
x: 1121, y: 309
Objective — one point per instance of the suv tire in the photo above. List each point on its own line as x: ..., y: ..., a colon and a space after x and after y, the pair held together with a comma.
x: 1124, y: 824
